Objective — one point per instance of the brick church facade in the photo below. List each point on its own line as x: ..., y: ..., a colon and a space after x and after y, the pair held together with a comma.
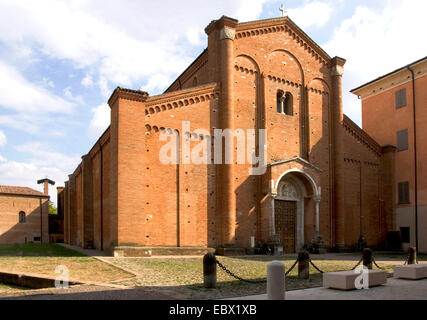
x: 325, y: 177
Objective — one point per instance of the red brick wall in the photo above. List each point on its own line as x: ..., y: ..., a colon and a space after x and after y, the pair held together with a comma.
x: 11, y: 231
x: 146, y: 203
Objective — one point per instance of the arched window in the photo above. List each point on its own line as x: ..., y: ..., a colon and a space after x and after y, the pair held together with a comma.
x: 288, y: 104
x: 280, y: 100
x: 22, y: 217
x: 195, y: 82
x: 285, y: 103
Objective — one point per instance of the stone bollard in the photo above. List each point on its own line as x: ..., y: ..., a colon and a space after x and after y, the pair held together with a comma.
x: 276, y: 281
x: 412, y: 258
x: 303, y: 265
x: 209, y: 271
x: 367, y: 258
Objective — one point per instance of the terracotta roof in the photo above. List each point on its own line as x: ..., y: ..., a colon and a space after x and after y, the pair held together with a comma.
x: 24, y: 191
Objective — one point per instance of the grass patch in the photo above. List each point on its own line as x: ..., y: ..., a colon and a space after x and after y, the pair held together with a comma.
x: 5, y: 288
x: 42, y: 259
x: 37, y: 250
x: 186, y: 274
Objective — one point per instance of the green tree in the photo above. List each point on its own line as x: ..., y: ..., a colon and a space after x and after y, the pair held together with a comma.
x: 52, y: 209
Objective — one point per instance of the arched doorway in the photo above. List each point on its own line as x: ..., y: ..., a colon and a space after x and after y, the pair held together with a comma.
x: 292, y: 191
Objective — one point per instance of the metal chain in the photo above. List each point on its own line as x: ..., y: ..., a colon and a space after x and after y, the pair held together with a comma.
x: 292, y: 268
x: 357, y: 264
x: 375, y: 263
x: 246, y: 280
x: 237, y: 277
x: 315, y: 267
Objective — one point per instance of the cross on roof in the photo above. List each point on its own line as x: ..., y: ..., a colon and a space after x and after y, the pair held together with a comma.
x: 283, y: 11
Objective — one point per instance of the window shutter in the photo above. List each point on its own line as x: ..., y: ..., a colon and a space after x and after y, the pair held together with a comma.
x: 403, y: 188
x: 400, y: 98
x: 397, y: 99
x: 402, y: 140
x: 403, y: 97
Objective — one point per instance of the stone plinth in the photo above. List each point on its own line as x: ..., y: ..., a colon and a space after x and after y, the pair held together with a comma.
x: 346, y: 280
x: 412, y: 271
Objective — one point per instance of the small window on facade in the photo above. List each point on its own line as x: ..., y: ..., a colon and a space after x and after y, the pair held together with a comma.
x: 403, y: 190
x: 280, y: 100
x: 36, y: 238
x: 401, y: 98
x: 285, y: 103
x: 402, y: 140
x: 194, y: 81
x: 22, y: 217
x: 289, y: 104
x: 405, y: 234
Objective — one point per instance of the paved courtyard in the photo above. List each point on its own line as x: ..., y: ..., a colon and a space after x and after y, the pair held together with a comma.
x: 395, y: 289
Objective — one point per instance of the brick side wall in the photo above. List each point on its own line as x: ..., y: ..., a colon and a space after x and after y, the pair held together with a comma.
x: 11, y: 231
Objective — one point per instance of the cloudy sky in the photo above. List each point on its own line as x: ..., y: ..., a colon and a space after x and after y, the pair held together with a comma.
x: 61, y: 59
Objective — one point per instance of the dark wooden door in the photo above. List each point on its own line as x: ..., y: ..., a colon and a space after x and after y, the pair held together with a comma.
x: 285, y: 223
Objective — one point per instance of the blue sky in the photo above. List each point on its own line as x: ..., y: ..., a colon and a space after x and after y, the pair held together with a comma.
x: 60, y: 61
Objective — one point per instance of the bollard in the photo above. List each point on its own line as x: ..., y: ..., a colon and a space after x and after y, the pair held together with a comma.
x: 412, y: 257
x: 209, y: 271
x: 303, y: 265
x: 276, y: 281
x: 367, y: 258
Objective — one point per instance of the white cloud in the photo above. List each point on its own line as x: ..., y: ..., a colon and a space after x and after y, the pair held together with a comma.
x: 377, y: 42
x: 42, y: 162
x: 123, y: 44
x: 78, y: 99
x: 87, y: 81
x: 48, y: 83
x: 29, y: 123
x: 156, y: 81
x: 17, y: 93
x: 3, y: 139
x: 100, y: 120
x: 26, y: 174
x: 42, y: 156
x: 312, y: 14
x: 248, y: 10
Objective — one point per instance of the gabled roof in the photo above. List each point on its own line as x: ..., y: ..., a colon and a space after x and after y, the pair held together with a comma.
x: 21, y: 191
x: 282, y: 21
x: 388, y: 74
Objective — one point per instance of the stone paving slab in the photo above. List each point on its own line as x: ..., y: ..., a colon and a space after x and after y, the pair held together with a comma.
x: 84, y: 292
x: 395, y: 289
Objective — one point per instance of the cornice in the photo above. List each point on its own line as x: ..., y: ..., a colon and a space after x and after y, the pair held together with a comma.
x: 127, y: 94
x: 285, y: 24
x: 389, y: 82
x: 361, y: 135
x: 374, y: 84
x: 181, y: 98
x: 197, y: 64
x: 299, y: 160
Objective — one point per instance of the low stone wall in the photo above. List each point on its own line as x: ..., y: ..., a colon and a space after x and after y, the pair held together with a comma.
x: 124, y: 251
x: 28, y: 281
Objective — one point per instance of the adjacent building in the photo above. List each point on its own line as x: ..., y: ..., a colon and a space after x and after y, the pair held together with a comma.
x: 23, y: 215
x: 394, y: 112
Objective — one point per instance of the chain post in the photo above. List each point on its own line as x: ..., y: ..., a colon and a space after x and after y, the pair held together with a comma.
x: 209, y: 271
x: 303, y: 265
x: 367, y: 258
x: 412, y: 256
